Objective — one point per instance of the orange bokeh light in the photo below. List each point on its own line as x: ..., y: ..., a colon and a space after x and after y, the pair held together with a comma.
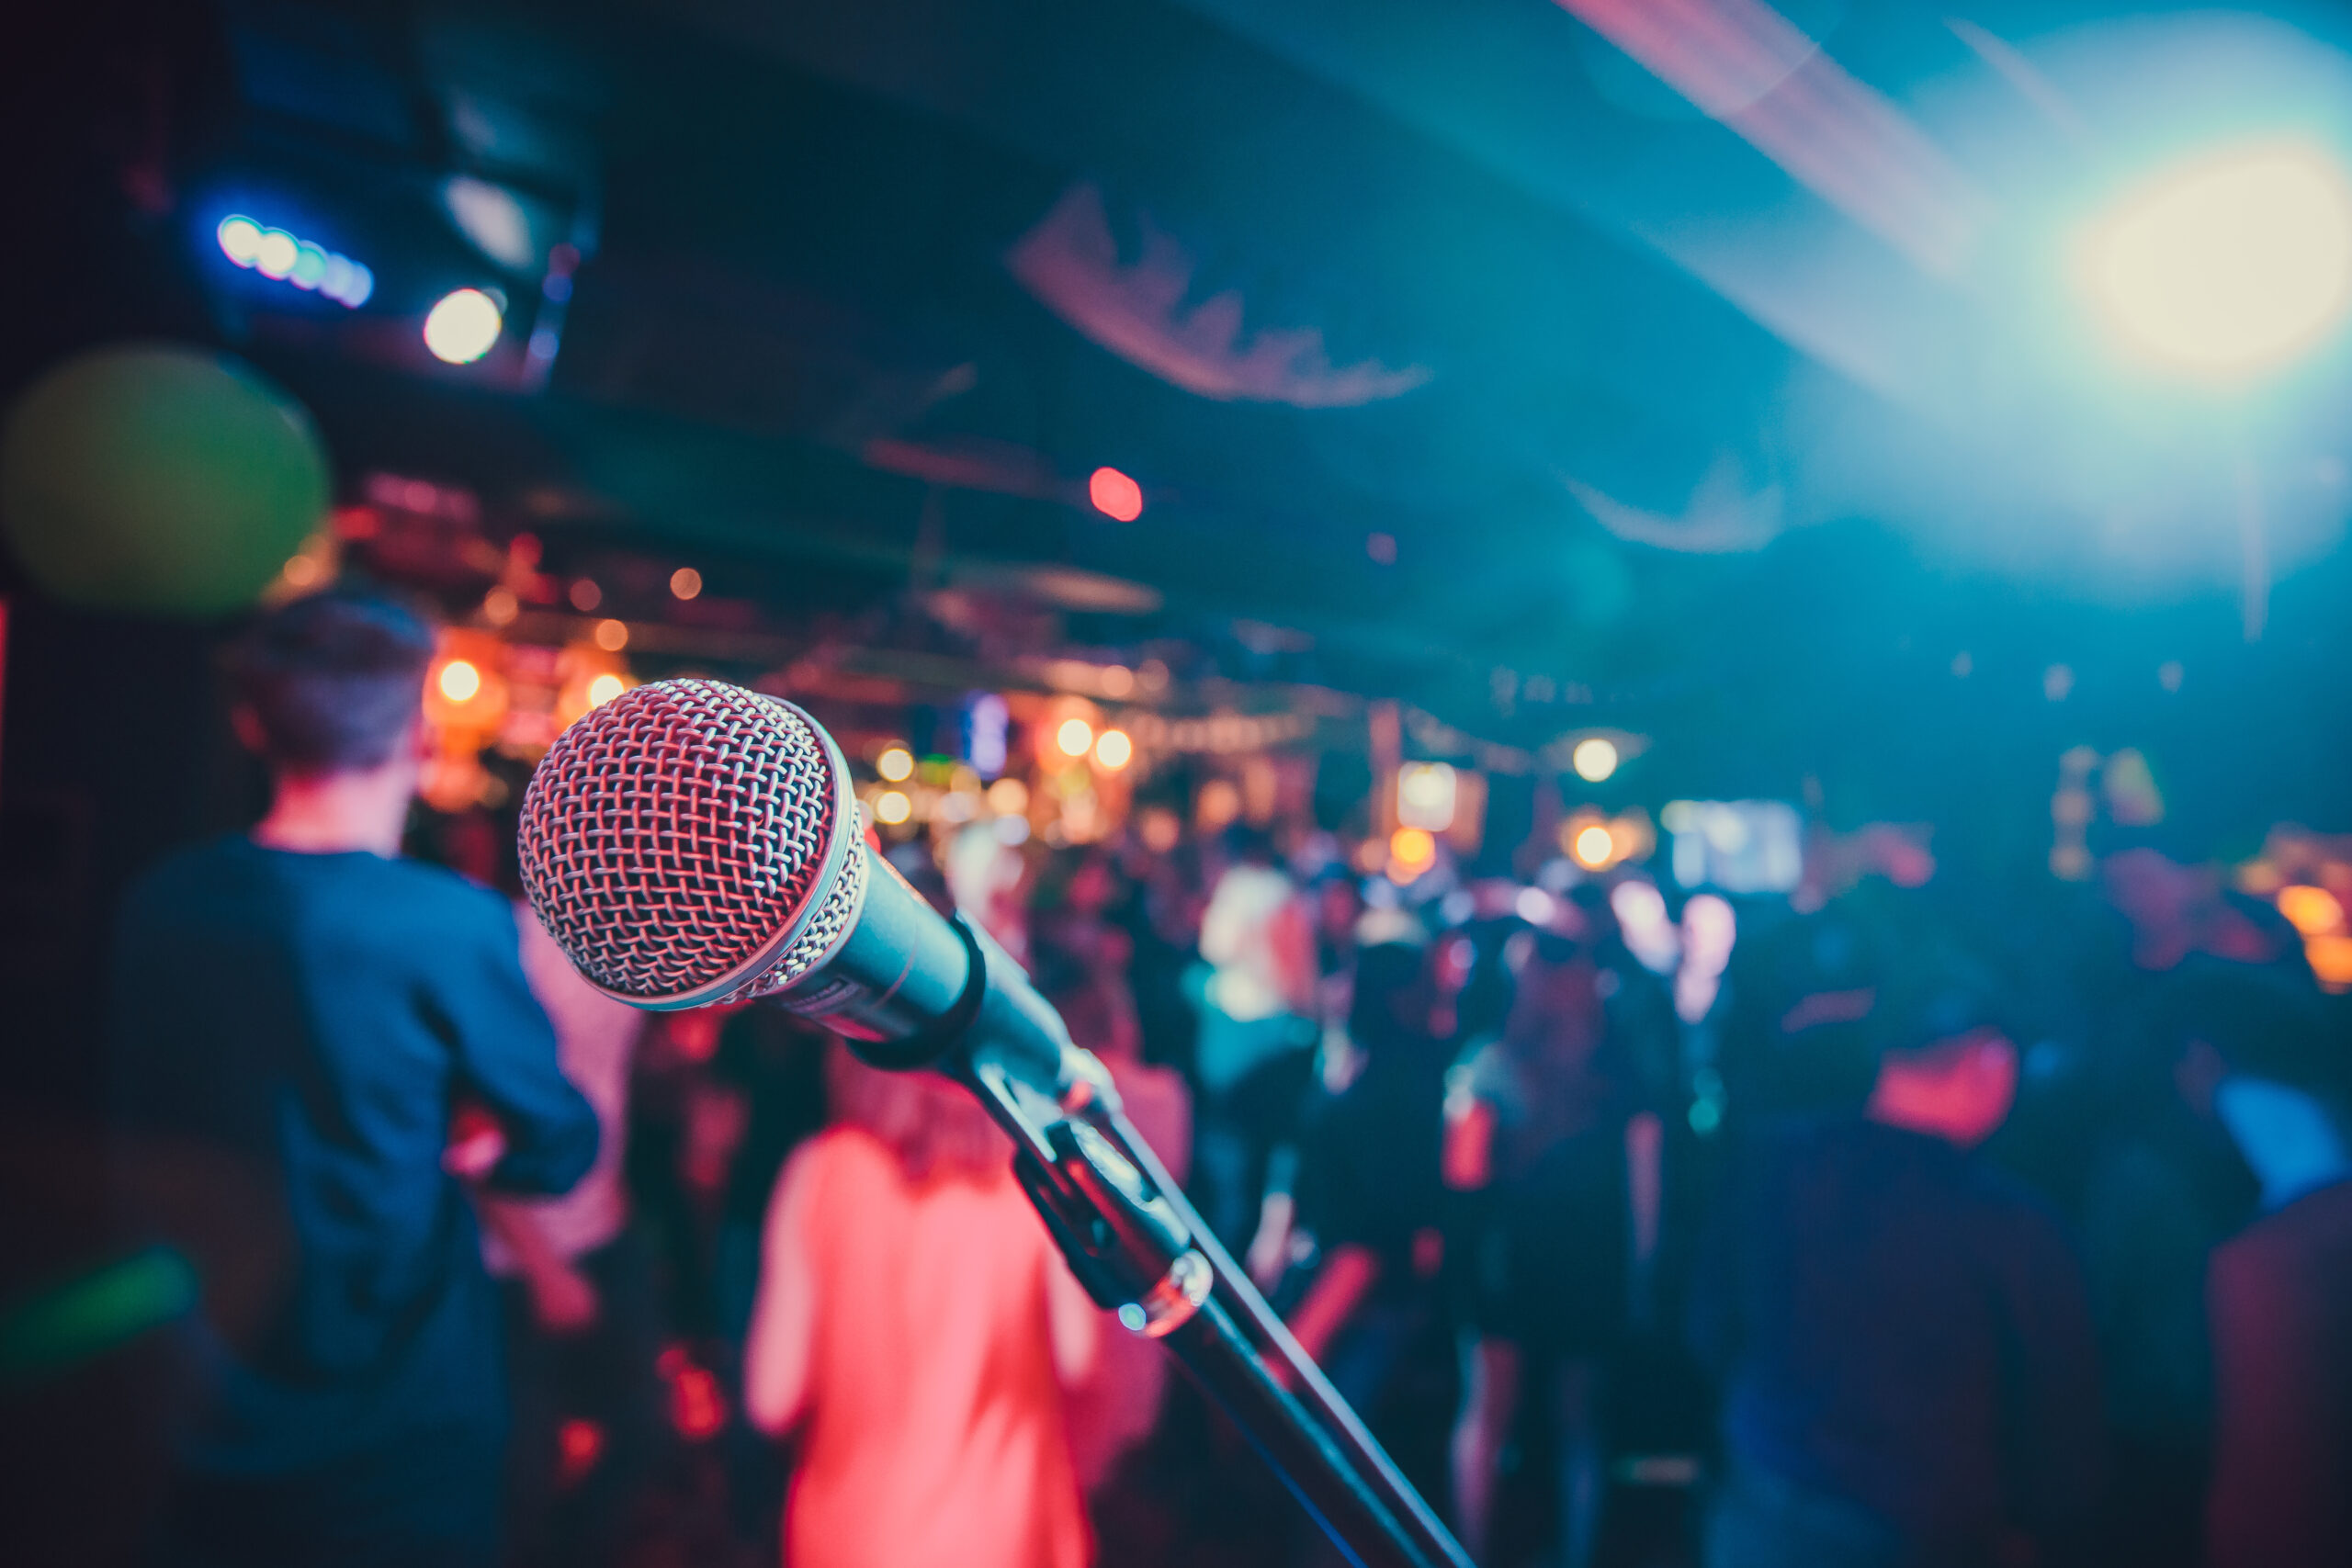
x: 2313, y: 911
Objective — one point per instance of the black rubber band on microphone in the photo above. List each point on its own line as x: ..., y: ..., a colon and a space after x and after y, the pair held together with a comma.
x: 930, y: 1046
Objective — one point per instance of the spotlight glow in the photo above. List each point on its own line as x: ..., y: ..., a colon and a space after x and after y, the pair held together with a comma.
x: 1076, y: 736
x: 604, y: 688
x: 1113, y: 750
x: 1594, y: 759
x: 892, y: 807
x: 2228, y: 264
x: 896, y: 764
x: 460, y: 680
x: 463, y: 326
x: 1594, y: 846
x: 1412, y: 846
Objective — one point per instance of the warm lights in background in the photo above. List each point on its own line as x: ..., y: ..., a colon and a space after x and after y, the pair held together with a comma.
x: 2317, y: 916
x: 612, y: 635
x: 1008, y: 797
x: 1075, y: 737
x: 895, y: 763
x: 1115, y: 495
x: 1411, y: 851
x: 466, y: 701
x: 2313, y: 911
x: 1594, y: 759
x: 1595, y: 841
x: 685, y: 582
x: 1113, y: 749
x: 2231, y: 263
x: 281, y: 257
x: 586, y: 678
x: 464, y: 689
x: 2309, y: 876
x: 463, y: 326
x: 892, y: 807
x: 1426, y: 796
x: 458, y: 681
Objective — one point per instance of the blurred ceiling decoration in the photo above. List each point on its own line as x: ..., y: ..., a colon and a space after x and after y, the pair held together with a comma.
x: 997, y: 467
x: 1746, y: 67
x: 1069, y: 262
x: 1064, y: 586
x: 1724, y: 517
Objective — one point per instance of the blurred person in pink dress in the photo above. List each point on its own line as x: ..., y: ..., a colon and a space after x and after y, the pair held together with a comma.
x: 915, y: 1330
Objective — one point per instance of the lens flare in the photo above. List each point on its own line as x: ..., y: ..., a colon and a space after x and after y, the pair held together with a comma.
x: 2232, y: 264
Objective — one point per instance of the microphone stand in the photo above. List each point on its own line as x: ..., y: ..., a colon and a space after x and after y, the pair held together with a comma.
x: 1140, y: 1249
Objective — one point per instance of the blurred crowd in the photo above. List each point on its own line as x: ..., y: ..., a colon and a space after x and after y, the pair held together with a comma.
x: 1884, y: 1253
x: 1879, y: 1223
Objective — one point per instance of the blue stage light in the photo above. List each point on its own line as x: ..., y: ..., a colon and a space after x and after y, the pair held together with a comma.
x: 282, y: 258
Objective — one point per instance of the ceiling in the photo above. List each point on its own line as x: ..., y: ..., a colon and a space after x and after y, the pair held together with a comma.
x: 1721, y: 375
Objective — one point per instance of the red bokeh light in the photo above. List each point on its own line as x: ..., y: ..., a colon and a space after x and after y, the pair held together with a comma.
x: 580, y: 1445
x: 697, y: 1407
x: 1115, y: 495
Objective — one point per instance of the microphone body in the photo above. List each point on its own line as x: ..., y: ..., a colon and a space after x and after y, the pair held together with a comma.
x: 690, y: 843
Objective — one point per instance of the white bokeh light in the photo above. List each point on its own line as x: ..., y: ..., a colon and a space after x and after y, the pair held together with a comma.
x: 463, y: 326
x: 2228, y: 264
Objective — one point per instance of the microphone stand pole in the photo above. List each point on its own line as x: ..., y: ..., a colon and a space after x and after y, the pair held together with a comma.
x: 1139, y: 1249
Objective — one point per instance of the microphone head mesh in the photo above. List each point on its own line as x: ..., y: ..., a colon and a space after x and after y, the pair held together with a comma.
x: 674, y: 840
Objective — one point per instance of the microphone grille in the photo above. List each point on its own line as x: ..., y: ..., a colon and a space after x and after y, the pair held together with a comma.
x: 674, y: 837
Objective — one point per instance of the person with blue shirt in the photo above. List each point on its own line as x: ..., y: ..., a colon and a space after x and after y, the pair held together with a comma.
x: 298, y: 1018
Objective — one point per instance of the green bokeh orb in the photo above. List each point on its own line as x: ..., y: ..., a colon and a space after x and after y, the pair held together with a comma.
x: 159, y: 479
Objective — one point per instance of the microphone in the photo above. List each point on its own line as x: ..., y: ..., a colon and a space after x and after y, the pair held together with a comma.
x: 691, y: 842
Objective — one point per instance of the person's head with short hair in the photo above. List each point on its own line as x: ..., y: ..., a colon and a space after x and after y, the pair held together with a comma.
x: 330, y: 683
